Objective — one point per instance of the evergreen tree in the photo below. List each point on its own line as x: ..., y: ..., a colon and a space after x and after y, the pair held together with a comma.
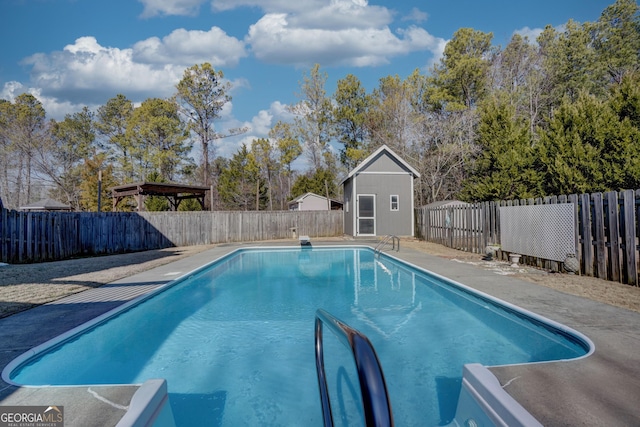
x: 350, y: 116
x: 505, y: 168
x: 89, y: 186
x: 238, y: 182
x: 159, y: 139
x: 616, y: 39
x: 588, y: 148
x: 202, y: 93
x: 111, y: 123
x: 156, y: 203
x: 625, y: 105
x: 625, y: 99
x: 459, y: 81
x: 321, y: 182
x: 189, y: 205
x: 569, y: 62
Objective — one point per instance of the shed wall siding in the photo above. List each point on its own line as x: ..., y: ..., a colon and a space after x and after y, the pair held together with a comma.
x: 383, y: 163
x: 349, y: 208
x: 313, y: 203
x: 383, y: 185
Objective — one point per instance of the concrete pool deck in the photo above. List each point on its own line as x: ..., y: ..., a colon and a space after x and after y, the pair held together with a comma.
x: 600, y: 390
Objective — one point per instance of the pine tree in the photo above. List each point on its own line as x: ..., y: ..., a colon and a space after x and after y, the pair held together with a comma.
x: 504, y: 169
x: 588, y: 149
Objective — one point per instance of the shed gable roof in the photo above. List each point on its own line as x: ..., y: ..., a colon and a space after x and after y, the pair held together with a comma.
x: 305, y: 195
x: 372, y: 158
x: 312, y: 195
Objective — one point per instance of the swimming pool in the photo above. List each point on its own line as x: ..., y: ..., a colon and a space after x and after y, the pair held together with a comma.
x: 235, y: 340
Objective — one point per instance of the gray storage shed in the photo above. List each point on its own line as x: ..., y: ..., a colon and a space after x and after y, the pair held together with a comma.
x: 378, y: 196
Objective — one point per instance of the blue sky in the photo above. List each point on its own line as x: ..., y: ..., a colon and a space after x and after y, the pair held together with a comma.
x: 75, y: 53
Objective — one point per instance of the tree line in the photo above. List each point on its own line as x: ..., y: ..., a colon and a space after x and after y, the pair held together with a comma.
x: 556, y: 115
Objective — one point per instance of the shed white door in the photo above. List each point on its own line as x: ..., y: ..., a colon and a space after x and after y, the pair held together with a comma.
x: 366, y: 215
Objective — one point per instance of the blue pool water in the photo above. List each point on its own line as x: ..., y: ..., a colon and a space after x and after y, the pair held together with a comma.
x: 235, y: 341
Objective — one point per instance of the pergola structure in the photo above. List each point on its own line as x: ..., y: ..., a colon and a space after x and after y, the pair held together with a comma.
x: 175, y: 193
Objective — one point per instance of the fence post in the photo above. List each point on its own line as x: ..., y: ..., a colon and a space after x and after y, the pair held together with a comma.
x: 497, y: 234
x: 468, y: 218
x: 479, y: 229
x: 587, y: 237
x: 613, y: 235
x: 598, y: 225
x: 484, y: 209
x: 573, y: 198
x: 4, y: 235
x: 629, y: 225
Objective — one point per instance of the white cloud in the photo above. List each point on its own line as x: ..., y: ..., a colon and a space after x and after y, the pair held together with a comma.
x: 280, y: 112
x: 422, y: 40
x: 274, y: 40
x: 287, y: 6
x: 261, y: 124
x: 170, y: 7
x: 330, y: 32
x: 87, y: 71
x: 531, y: 33
x: 191, y: 47
x: 192, y: 7
x: 302, y: 32
x: 258, y: 127
x: 11, y: 89
x: 55, y: 109
x: 342, y: 14
x: 417, y: 38
x: 239, y: 83
x: 416, y: 15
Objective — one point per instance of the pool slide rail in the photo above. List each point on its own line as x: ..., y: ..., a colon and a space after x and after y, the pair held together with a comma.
x: 385, y: 241
x: 375, y: 398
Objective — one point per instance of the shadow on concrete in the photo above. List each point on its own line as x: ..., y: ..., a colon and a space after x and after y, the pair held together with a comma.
x: 22, y: 331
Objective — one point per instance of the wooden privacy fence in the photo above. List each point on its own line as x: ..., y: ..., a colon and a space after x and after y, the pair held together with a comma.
x: 606, y: 231
x: 47, y: 236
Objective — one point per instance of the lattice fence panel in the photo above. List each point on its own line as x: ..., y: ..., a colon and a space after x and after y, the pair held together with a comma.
x: 543, y: 231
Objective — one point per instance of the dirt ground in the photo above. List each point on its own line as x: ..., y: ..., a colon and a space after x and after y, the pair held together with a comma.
x: 26, y: 286
x: 613, y: 293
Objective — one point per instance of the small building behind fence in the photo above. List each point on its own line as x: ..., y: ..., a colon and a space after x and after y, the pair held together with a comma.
x: 314, y: 202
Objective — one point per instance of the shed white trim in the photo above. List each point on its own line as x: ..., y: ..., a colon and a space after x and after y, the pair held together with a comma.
x: 372, y: 156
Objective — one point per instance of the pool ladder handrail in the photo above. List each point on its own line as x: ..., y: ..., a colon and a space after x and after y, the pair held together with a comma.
x: 384, y: 241
x: 373, y: 388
